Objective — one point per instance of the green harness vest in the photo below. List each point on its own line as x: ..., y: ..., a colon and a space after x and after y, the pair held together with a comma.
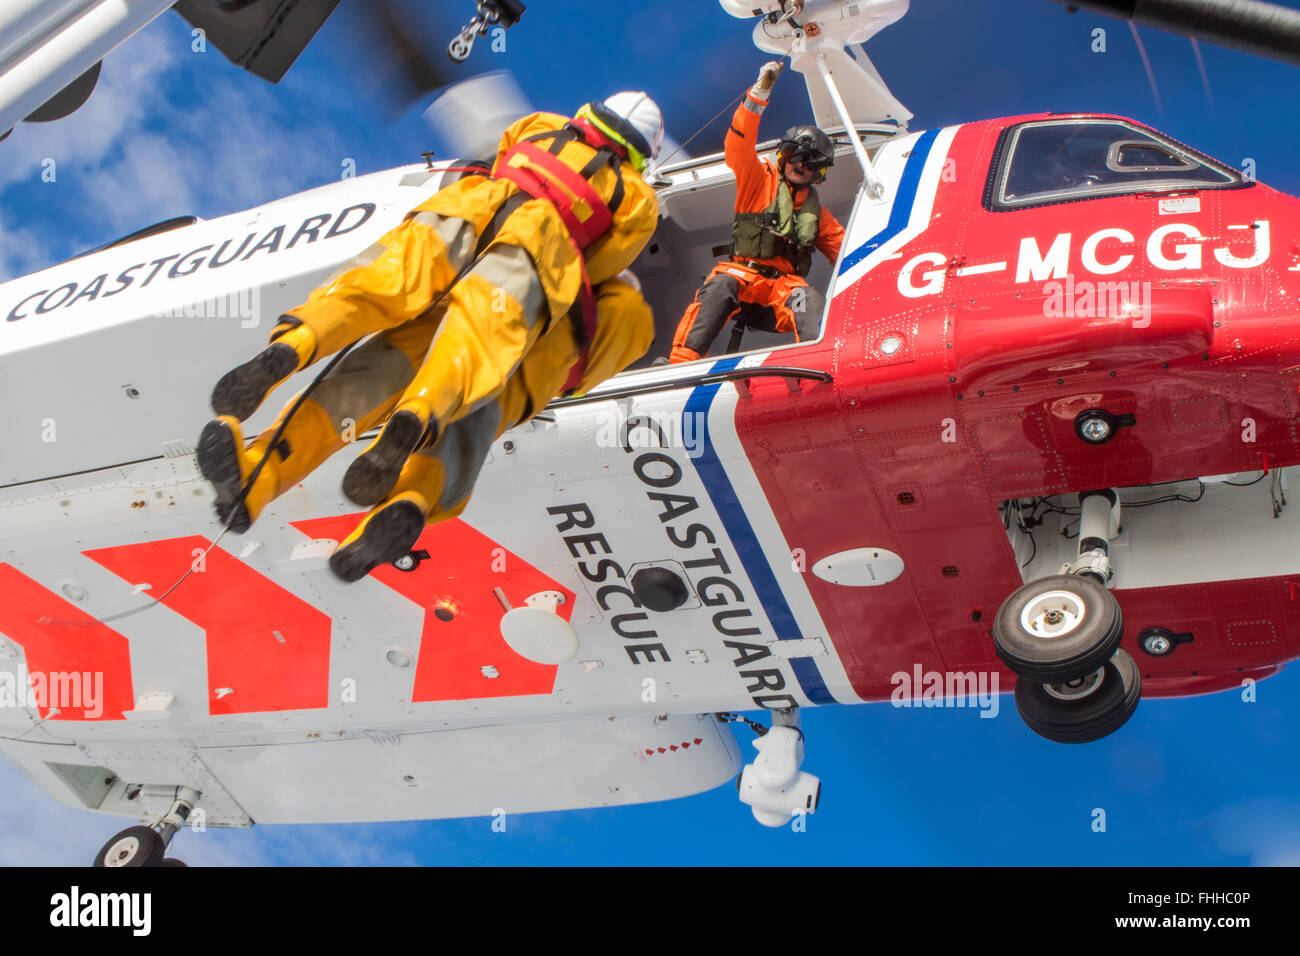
x: 779, y: 230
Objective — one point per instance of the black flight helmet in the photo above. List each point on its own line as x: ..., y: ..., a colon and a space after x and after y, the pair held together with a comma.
x: 807, y: 145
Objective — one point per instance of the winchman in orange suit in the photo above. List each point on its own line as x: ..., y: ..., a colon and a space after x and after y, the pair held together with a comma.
x: 493, y: 296
x: 779, y: 221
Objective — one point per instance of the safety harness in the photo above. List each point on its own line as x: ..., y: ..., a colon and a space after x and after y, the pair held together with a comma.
x: 586, y: 216
x: 779, y: 230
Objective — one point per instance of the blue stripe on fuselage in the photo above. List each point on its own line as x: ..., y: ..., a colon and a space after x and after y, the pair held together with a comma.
x: 741, y: 532
x: 903, y: 203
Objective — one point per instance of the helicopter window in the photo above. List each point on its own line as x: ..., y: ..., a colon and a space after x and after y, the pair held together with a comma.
x: 1064, y: 160
x: 1144, y: 157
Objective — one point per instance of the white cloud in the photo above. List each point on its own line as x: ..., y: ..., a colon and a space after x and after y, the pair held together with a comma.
x: 39, y: 831
x: 1267, y: 830
x: 245, y: 147
x: 21, y: 250
x: 143, y: 180
x: 133, y: 155
x: 128, y: 91
x: 335, y: 845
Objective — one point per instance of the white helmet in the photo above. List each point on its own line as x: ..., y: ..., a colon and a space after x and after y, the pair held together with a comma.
x: 644, y: 115
x: 636, y: 120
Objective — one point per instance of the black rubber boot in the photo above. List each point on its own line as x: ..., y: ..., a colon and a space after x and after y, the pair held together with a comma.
x: 371, y: 477
x: 241, y: 390
x: 385, y: 536
x: 218, y: 454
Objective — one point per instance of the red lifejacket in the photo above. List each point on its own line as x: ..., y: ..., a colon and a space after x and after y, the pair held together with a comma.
x: 586, y: 216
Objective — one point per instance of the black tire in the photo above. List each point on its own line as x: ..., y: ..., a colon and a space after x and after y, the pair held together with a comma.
x: 172, y: 861
x: 133, y: 847
x: 1077, y: 650
x: 1087, y: 718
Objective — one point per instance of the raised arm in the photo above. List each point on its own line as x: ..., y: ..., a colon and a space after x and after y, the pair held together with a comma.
x: 742, y: 138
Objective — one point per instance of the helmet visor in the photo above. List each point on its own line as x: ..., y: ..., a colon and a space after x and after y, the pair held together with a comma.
x: 805, y: 152
x: 620, y: 131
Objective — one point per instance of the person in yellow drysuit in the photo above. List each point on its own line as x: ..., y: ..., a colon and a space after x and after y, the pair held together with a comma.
x: 528, y: 259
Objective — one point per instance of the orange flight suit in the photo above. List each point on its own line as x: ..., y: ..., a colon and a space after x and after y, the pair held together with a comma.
x: 771, y: 295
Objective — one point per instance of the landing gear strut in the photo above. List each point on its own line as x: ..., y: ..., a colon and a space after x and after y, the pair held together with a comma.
x: 140, y: 846
x: 1060, y: 635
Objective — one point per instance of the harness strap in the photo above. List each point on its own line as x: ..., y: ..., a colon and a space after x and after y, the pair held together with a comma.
x: 766, y: 271
x: 586, y: 216
x: 504, y: 212
x: 582, y: 317
x: 737, y: 333
x: 562, y: 137
x: 538, y: 173
x: 606, y: 155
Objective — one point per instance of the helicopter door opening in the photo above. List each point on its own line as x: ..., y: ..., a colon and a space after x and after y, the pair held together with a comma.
x: 696, y: 207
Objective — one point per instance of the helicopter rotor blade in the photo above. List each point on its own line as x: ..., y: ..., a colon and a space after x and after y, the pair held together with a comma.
x: 1252, y: 26
x: 474, y: 113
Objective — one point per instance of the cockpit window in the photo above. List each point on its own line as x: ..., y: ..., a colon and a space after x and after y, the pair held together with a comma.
x: 1064, y: 160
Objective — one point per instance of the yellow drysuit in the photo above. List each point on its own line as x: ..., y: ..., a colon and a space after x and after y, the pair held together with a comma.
x: 362, y: 390
x: 494, y: 351
x: 440, y: 476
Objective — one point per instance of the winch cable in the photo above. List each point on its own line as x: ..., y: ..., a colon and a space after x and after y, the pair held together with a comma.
x: 682, y: 146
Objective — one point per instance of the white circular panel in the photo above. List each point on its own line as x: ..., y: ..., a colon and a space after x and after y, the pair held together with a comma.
x: 542, y: 637
x: 398, y: 657
x: 859, y: 567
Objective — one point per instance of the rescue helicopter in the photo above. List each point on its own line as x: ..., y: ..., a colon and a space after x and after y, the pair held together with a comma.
x: 1045, y: 434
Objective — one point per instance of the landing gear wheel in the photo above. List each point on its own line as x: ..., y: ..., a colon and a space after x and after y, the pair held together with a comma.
x: 1058, y: 629
x: 172, y: 861
x: 134, y: 846
x: 1086, y: 708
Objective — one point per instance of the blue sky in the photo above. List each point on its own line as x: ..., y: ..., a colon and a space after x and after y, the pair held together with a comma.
x: 1206, y: 780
